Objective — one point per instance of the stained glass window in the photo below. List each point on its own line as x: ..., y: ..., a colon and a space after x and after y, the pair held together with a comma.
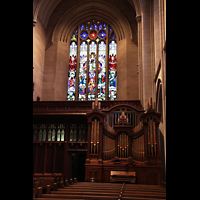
x: 72, y: 71
x: 92, y: 65
x: 83, y: 71
x: 82, y: 27
x: 92, y: 71
x: 93, y: 34
x: 100, y: 26
x: 84, y: 35
x: 102, y: 34
x: 102, y: 71
x: 112, y: 70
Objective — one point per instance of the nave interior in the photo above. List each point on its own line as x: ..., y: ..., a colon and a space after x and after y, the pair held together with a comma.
x: 105, y: 191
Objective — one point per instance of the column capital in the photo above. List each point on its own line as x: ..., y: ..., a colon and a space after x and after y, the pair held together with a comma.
x: 138, y: 18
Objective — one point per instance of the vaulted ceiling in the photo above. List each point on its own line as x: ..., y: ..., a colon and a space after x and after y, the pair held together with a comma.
x: 60, y: 17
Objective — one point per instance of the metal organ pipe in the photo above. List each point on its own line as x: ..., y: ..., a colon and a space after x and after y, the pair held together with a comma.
x: 138, y: 148
x: 95, y: 137
x: 108, y: 148
x: 122, y: 145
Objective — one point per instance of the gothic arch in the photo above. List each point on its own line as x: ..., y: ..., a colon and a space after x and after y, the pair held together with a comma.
x: 44, y: 9
x: 82, y: 12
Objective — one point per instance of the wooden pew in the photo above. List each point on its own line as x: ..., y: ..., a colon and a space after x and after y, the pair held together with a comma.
x: 47, y: 182
x: 102, y: 191
x: 132, y: 192
x: 86, y: 191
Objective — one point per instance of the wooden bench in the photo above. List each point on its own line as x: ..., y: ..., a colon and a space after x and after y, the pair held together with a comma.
x: 48, y: 182
x: 122, y: 176
x: 106, y: 191
x: 86, y: 190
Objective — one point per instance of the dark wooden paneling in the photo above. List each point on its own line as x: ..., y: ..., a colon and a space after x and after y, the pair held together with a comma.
x: 152, y: 178
x: 50, y: 158
x: 106, y: 176
x: 95, y: 172
x: 40, y: 156
x: 59, y: 158
x: 140, y: 177
x: 34, y: 153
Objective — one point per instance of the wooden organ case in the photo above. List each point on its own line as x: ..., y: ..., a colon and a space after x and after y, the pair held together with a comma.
x: 116, y: 137
x: 124, y: 139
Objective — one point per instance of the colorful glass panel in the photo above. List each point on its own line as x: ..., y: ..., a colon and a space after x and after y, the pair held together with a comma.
x: 72, y: 72
x: 102, y: 71
x: 73, y: 38
x: 91, y: 26
x: 76, y: 32
x: 102, y: 34
x: 104, y: 26
x: 100, y: 26
x: 93, y: 34
x: 84, y: 35
x: 112, y: 70
x: 83, y: 71
x: 112, y: 36
x: 86, y: 27
x: 92, y: 71
x: 82, y: 27
x: 95, y: 27
x: 110, y: 31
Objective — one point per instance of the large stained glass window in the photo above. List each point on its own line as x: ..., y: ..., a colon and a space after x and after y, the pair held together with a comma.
x: 96, y: 46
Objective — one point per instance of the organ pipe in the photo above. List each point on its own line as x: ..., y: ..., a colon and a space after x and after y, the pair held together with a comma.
x: 152, y: 141
x: 95, y: 134
x: 108, y: 147
x: 154, y: 133
x: 127, y: 145
x: 92, y: 130
x: 95, y: 137
x: 149, y: 140
x: 138, y: 148
x: 122, y: 145
x: 151, y: 136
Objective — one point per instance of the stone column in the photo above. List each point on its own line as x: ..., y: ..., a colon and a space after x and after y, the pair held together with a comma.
x: 139, y: 65
x: 146, y: 54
